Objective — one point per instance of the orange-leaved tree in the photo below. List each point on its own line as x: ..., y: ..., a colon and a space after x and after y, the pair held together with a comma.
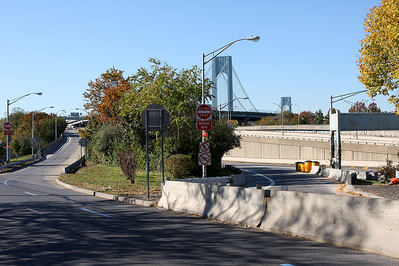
x: 104, y: 93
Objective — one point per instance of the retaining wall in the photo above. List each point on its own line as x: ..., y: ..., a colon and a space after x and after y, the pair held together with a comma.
x: 361, y: 223
x: 256, y: 148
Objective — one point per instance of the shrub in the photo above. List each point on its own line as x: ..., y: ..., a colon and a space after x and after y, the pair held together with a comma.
x: 127, y: 160
x: 179, y: 165
x: 388, y: 170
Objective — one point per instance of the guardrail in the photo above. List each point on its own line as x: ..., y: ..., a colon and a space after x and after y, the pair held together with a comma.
x: 320, y: 139
x: 39, y: 155
x: 76, y: 165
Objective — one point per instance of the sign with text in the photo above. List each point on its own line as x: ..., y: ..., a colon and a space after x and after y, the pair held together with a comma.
x: 204, y: 125
x: 7, y: 132
x: 204, y: 111
x: 7, y: 125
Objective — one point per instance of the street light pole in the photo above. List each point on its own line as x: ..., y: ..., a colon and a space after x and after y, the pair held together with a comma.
x: 33, y: 123
x: 56, y: 136
x: 226, y: 104
x: 298, y: 111
x: 282, y: 118
x: 204, y: 62
x: 9, y: 102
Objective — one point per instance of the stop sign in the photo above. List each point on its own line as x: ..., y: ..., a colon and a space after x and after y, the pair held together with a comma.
x: 7, y: 125
x: 204, y: 111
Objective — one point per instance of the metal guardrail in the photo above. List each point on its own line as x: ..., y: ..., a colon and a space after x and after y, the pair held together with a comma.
x: 76, y: 165
x: 327, y: 140
x: 39, y: 155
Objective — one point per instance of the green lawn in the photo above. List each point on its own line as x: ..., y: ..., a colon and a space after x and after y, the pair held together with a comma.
x: 111, y: 180
x: 20, y: 158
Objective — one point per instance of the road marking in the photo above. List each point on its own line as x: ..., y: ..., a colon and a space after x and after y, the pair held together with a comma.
x: 35, y: 211
x: 83, y: 209
x: 365, y: 168
x: 272, y: 183
x: 30, y: 193
x: 287, y: 264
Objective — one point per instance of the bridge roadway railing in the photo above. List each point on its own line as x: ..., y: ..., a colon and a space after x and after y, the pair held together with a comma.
x: 261, y: 147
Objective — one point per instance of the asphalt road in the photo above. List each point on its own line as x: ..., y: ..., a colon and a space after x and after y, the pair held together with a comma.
x: 284, y: 177
x: 42, y: 223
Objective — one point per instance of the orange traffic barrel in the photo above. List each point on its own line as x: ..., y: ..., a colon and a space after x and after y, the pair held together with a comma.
x: 308, y: 166
x: 298, y: 166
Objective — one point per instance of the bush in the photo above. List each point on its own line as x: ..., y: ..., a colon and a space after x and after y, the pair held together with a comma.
x: 179, y: 165
x: 127, y: 160
x: 388, y: 170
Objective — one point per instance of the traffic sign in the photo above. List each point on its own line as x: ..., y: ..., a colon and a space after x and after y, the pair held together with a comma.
x: 154, y: 117
x: 8, y: 125
x: 204, y: 147
x: 33, y: 143
x: 83, y: 142
x: 7, y: 132
x: 204, y: 158
x: 204, y: 125
x: 204, y: 111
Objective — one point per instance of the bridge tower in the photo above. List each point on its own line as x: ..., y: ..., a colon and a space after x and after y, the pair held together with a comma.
x: 222, y: 64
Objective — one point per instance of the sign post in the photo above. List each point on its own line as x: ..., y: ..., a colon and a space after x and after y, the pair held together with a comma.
x: 204, y: 123
x: 154, y: 118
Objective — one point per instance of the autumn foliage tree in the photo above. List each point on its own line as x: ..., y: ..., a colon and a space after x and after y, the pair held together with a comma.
x: 104, y: 93
x: 379, y: 53
x: 360, y: 107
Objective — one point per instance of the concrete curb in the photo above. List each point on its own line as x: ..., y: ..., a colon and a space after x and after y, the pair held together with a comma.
x: 146, y: 203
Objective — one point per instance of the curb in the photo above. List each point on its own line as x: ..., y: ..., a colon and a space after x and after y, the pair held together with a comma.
x: 146, y: 203
x: 349, y: 189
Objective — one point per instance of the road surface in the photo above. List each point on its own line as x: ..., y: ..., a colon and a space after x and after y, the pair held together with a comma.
x: 42, y: 223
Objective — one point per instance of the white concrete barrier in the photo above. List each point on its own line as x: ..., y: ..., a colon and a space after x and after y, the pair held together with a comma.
x: 361, y: 223
x: 366, y: 224
x: 240, y: 205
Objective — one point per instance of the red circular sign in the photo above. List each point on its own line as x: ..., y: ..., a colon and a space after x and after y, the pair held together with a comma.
x: 7, y: 125
x: 204, y: 111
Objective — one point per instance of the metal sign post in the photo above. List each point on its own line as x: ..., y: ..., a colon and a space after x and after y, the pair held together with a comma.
x: 154, y: 118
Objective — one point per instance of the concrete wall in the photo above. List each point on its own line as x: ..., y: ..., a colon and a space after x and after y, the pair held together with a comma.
x: 291, y: 150
x: 360, y: 223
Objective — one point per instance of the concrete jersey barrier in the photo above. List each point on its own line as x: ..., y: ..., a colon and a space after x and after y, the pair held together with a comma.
x: 366, y: 224
x: 241, y: 205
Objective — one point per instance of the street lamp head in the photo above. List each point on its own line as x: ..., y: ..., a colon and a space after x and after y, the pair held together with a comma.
x: 253, y: 38
x: 245, y: 98
x: 39, y: 93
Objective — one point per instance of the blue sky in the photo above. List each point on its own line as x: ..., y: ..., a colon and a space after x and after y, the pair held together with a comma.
x: 307, y: 48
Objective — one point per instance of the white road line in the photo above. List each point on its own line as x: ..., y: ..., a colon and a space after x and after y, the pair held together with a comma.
x: 83, y: 209
x: 6, y: 182
x: 30, y: 193
x: 35, y: 211
x: 272, y: 183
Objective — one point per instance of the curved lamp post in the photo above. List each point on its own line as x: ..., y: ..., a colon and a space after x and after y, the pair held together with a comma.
x: 225, y: 104
x: 9, y: 102
x: 204, y: 62
x: 33, y: 122
x: 282, y: 118
x: 56, y: 122
x: 298, y: 111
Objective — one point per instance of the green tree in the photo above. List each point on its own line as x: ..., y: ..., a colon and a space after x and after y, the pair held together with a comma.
x: 379, y: 53
x: 319, y: 117
x: 178, y: 91
x: 222, y: 138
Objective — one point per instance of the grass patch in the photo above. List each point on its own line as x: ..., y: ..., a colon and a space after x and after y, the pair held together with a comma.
x: 20, y: 158
x: 111, y: 180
